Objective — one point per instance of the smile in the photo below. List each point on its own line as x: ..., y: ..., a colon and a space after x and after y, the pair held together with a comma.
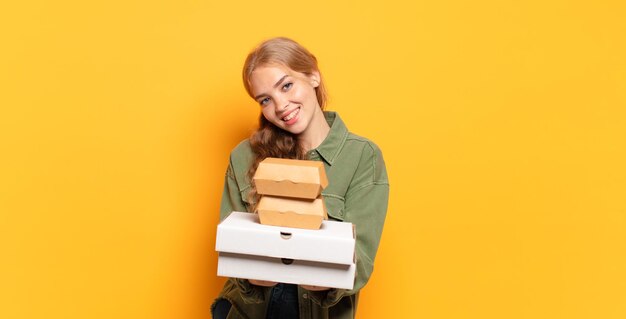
x: 291, y: 115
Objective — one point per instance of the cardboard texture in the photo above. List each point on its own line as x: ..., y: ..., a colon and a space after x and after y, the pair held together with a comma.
x: 290, y: 212
x: 290, y: 178
x: 324, y: 257
x: 291, y: 192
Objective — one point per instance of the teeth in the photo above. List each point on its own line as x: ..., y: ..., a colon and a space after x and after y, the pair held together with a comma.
x: 291, y: 115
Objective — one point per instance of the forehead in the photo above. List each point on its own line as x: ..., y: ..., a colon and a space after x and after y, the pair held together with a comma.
x: 269, y: 73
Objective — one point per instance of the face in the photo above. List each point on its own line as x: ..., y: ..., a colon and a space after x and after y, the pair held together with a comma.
x: 287, y: 97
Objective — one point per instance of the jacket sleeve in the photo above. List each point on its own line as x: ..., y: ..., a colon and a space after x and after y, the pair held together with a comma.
x: 232, y: 201
x: 231, y: 196
x: 366, y: 207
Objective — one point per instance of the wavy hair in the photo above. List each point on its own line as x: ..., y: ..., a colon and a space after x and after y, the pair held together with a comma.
x: 269, y: 140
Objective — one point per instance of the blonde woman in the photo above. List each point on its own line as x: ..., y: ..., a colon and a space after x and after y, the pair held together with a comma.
x: 284, y: 79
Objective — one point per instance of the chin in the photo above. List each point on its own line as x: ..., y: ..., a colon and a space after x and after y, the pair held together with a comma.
x: 293, y: 130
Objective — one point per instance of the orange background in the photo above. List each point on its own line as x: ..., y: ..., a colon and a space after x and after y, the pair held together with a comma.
x: 503, y: 125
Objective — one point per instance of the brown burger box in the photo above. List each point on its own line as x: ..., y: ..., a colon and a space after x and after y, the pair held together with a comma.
x: 292, y: 212
x: 291, y: 192
x: 290, y: 178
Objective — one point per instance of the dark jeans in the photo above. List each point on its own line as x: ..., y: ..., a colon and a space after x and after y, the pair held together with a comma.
x: 283, y: 304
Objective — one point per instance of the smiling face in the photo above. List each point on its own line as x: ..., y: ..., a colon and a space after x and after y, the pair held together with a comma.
x: 287, y: 97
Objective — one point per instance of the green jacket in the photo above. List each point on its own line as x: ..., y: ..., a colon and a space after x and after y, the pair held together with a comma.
x: 357, y: 192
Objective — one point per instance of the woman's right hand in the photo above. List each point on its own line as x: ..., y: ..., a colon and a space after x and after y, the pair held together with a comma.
x: 263, y: 283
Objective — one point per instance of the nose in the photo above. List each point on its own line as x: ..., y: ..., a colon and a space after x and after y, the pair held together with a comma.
x: 281, y: 103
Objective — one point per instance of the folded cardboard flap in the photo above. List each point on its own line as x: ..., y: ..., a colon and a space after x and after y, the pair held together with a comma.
x: 288, y: 188
x: 291, y: 212
x: 290, y: 178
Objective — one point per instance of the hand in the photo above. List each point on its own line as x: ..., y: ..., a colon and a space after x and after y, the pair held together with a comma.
x: 263, y: 283
x: 314, y: 288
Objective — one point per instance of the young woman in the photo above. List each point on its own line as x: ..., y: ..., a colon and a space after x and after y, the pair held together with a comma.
x: 283, y: 77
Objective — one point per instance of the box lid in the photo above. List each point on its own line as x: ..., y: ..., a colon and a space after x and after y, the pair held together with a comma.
x: 290, y: 178
x: 242, y: 233
x: 292, y: 212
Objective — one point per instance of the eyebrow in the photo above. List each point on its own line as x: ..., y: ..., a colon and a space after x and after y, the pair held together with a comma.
x: 275, y: 85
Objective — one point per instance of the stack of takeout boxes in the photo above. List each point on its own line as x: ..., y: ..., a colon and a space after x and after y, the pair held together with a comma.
x: 289, y: 240
x: 291, y: 193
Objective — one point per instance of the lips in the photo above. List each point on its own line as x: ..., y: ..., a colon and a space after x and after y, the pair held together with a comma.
x: 291, y: 115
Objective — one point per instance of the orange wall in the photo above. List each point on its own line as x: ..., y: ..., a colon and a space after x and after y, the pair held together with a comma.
x: 503, y: 125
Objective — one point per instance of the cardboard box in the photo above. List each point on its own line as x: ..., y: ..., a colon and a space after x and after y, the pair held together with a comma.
x: 248, y: 249
x: 273, y: 269
x: 290, y: 212
x: 290, y: 178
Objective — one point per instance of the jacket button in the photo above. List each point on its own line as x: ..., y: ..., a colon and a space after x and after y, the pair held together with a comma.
x: 305, y: 296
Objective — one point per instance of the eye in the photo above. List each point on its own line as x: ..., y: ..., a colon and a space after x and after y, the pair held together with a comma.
x: 264, y: 101
x: 287, y: 86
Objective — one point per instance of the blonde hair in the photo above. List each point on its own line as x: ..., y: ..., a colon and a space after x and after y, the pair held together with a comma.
x: 269, y: 140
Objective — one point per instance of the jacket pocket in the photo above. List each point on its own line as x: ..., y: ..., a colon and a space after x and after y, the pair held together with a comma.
x: 335, y: 206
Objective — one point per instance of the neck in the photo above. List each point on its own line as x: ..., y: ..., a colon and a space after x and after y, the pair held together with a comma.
x: 316, y: 133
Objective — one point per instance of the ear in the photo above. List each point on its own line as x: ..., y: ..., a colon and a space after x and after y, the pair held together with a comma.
x: 314, y: 77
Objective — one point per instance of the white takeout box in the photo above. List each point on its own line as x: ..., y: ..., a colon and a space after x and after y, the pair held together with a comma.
x: 250, y: 250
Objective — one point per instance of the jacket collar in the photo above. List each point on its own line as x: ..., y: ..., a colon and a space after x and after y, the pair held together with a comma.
x: 333, y: 143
